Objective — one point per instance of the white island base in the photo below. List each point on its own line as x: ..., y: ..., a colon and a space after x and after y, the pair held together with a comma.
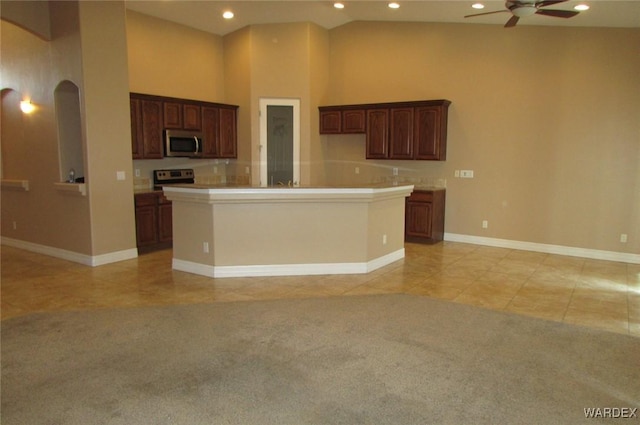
x: 234, y: 232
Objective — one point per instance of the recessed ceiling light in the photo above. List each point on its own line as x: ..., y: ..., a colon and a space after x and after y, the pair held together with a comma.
x: 228, y: 14
x: 582, y: 7
x: 338, y: 5
x: 478, y: 6
x: 394, y: 5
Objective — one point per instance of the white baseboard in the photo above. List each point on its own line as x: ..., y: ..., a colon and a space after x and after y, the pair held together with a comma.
x: 595, y: 254
x: 87, y: 260
x: 286, y: 269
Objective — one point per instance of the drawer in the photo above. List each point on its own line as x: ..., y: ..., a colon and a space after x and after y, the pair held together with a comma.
x: 146, y: 199
x: 421, y: 196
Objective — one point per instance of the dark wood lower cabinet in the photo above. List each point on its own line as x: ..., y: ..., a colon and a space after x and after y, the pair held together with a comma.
x: 424, y: 216
x: 154, y: 225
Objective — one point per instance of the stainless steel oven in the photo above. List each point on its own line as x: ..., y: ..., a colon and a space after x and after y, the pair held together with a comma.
x: 169, y: 177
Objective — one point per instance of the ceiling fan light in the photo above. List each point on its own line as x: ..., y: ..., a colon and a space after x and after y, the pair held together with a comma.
x: 581, y: 7
x: 524, y: 11
x: 228, y: 14
x: 394, y: 5
x: 338, y: 5
x: 477, y: 6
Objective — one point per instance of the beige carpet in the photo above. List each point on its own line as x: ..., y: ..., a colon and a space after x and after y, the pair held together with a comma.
x: 387, y: 359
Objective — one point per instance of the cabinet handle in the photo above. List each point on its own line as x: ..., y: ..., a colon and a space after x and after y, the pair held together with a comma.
x: 197, y: 144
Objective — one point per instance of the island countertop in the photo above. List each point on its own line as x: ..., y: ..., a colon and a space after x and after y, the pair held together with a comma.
x: 213, y: 193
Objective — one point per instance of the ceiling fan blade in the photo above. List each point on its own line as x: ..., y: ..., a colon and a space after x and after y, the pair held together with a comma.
x: 557, y: 13
x: 486, y: 13
x: 512, y: 22
x: 546, y: 3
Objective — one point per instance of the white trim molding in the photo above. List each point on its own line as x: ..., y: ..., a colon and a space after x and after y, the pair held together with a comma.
x: 286, y: 269
x: 595, y: 254
x: 87, y: 260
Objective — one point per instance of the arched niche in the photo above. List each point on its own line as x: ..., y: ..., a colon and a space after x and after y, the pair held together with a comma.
x: 13, y: 146
x: 67, y: 105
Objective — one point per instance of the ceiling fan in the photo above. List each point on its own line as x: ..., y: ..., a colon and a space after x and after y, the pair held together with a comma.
x: 522, y: 8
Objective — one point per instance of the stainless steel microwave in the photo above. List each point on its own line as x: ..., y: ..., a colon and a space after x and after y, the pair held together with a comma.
x: 183, y: 143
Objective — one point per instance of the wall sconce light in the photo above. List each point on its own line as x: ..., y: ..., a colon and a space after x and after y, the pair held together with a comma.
x: 27, y: 107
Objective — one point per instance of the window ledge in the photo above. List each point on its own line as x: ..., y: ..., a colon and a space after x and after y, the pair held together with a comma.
x: 17, y: 185
x: 72, y: 188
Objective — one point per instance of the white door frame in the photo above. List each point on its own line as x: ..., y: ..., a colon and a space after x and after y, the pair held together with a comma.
x: 295, y: 103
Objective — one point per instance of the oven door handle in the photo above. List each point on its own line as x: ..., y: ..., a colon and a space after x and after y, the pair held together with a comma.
x: 197, y: 145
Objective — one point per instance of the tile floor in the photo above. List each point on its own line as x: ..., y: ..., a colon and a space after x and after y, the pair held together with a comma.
x: 594, y: 293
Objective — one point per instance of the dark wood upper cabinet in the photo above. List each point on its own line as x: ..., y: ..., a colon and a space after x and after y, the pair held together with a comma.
x: 191, y: 117
x: 377, y: 133
x: 172, y: 112
x: 353, y: 121
x: 228, y: 133
x: 146, y: 127
x: 136, y: 128
x: 401, y: 133
x: 151, y: 115
x: 431, y: 132
x: 219, y: 132
x: 336, y: 120
x: 210, y: 131
x: 330, y: 122
x: 415, y: 130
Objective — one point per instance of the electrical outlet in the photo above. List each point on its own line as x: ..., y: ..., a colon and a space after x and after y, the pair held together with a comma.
x: 357, y: 170
x: 395, y: 171
x: 15, y: 225
x: 246, y: 170
x: 456, y: 173
x: 623, y: 238
x: 485, y: 224
x: 384, y: 239
x: 466, y: 174
x: 137, y: 172
x: 205, y: 247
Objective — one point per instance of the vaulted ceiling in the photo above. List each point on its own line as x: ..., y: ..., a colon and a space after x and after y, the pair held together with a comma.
x: 207, y: 15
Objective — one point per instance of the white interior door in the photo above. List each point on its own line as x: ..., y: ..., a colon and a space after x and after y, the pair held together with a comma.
x: 279, y: 142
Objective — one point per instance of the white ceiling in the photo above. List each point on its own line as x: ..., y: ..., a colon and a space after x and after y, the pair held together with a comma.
x: 206, y: 15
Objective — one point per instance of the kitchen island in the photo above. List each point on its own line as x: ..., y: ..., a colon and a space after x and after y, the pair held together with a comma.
x: 277, y: 231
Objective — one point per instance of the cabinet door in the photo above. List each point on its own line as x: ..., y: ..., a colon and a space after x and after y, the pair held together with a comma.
x: 401, y: 133
x: 137, y: 148
x: 418, y: 218
x: 210, y: 131
x: 431, y: 133
x: 191, y: 117
x: 228, y: 144
x: 146, y: 225
x: 151, y: 119
x: 377, y: 133
x: 353, y: 121
x: 330, y: 122
x: 165, y: 221
x: 172, y: 113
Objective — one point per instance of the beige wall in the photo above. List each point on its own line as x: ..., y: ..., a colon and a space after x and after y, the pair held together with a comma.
x: 108, y: 146
x: 546, y: 117
x: 33, y: 68
x: 88, y: 42
x: 172, y: 60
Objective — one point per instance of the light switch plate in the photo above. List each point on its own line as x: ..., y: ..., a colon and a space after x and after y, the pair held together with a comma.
x: 120, y: 175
